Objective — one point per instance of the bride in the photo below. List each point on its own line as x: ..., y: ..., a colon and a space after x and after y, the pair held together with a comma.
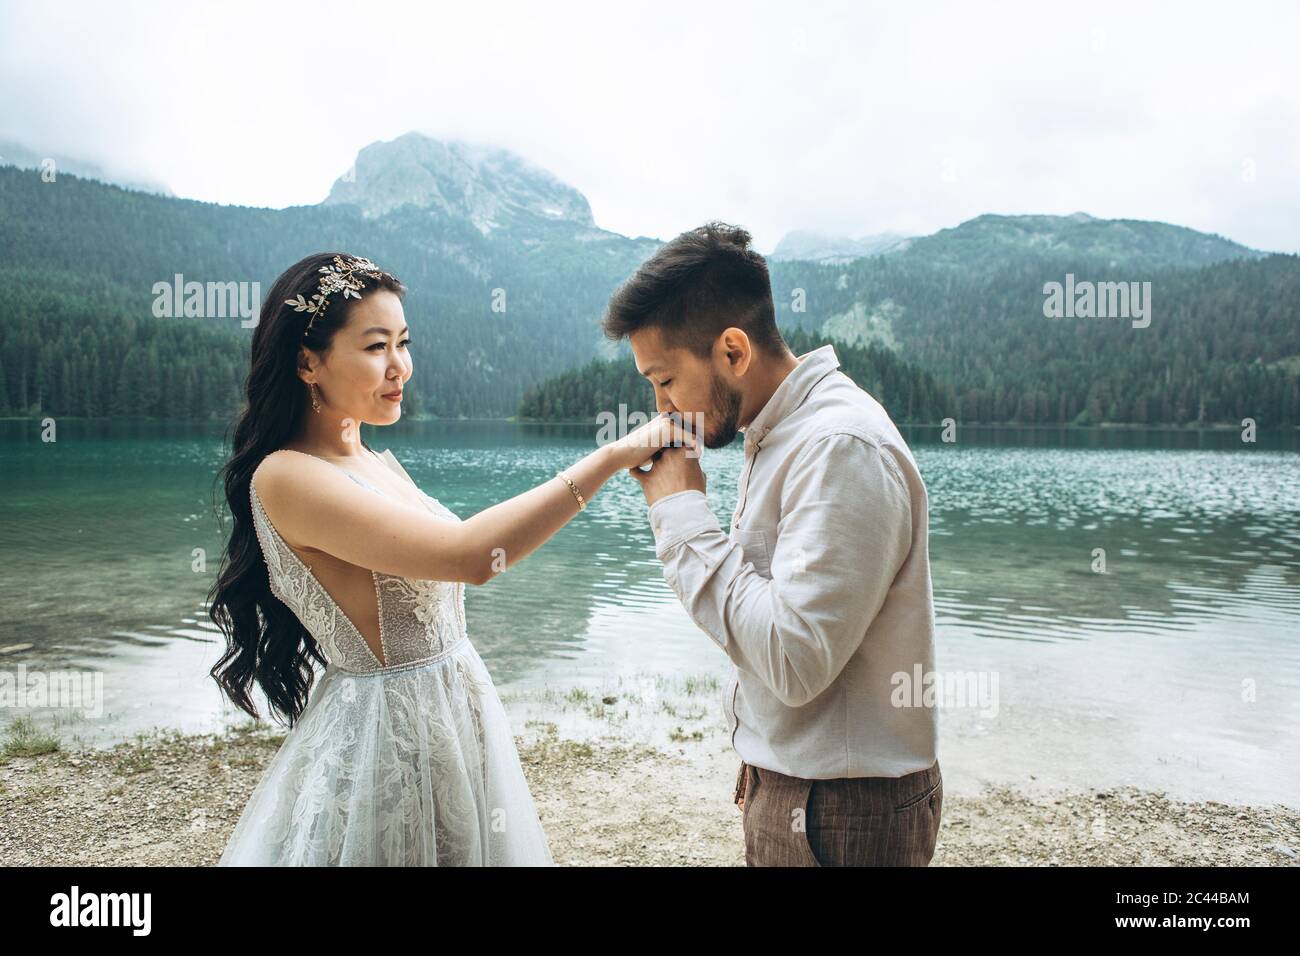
x: 403, y: 753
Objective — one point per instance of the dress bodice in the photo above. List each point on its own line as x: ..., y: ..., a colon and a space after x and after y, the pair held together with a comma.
x: 419, y: 620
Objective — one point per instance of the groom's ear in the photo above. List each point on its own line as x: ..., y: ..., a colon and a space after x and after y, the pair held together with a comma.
x: 735, y: 349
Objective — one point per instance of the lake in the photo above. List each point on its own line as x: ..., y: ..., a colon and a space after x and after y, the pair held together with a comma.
x: 1177, y: 669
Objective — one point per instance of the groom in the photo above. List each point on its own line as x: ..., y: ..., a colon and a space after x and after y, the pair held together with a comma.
x: 820, y: 593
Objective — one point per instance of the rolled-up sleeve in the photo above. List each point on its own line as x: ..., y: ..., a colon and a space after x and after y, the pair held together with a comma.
x: 844, y: 532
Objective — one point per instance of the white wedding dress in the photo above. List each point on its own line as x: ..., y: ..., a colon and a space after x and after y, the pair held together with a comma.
x: 409, y: 763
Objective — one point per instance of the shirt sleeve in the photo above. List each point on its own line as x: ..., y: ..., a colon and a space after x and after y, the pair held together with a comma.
x: 844, y: 532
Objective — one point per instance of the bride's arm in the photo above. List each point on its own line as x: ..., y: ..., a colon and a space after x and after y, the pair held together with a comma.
x: 314, y: 505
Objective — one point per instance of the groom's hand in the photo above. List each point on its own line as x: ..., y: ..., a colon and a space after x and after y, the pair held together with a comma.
x: 672, y: 471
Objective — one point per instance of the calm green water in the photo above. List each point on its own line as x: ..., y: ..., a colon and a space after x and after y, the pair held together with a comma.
x: 1179, y: 668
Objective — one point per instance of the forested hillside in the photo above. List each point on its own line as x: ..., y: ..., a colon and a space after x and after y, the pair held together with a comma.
x: 509, y: 276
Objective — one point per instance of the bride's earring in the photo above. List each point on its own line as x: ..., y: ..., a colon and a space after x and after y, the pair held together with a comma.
x: 315, y: 405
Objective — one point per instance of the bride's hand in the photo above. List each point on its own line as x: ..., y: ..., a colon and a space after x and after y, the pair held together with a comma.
x: 637, y: 447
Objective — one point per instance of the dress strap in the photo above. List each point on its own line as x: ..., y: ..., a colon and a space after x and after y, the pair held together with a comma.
x: 357, y: 478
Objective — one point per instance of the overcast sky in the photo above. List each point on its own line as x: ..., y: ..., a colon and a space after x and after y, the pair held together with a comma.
x: 850, y: 118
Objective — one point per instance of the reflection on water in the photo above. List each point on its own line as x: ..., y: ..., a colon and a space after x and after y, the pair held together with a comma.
x: 1186, y: 537
x: 1142, y: 672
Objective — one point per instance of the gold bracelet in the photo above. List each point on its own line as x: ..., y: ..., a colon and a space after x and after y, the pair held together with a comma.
x: 582, y: 502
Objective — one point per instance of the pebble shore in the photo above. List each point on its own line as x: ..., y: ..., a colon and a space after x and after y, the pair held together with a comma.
x: 171, y: 799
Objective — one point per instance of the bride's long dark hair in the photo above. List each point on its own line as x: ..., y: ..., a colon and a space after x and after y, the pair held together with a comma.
x: 266, y: 644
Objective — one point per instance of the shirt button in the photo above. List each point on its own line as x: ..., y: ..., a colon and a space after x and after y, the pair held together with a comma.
x: 656, y: 526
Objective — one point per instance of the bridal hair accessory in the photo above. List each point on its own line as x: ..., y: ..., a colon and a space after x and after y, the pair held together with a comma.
x: 343, y: 275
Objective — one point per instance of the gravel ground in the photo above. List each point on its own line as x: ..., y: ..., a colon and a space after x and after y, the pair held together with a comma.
x: 172, y: 799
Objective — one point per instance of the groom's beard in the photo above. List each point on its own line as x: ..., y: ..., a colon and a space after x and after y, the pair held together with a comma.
x: 725, y: 416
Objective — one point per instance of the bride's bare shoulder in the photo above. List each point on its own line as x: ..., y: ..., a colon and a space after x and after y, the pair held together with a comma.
x: 287, y: 472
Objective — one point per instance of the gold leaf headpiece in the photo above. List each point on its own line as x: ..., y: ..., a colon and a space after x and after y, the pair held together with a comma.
x: 343, y: 276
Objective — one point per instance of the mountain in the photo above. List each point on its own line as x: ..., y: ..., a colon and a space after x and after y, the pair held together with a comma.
x: 823, y: 247
x: 16, y: 154
x: 932, y: 342
x: 991, y: 240
x: 907, y: 392
x: 481, y: 184
x: 1222, y: 342
x: 509, y: 276
x: 491, y: 313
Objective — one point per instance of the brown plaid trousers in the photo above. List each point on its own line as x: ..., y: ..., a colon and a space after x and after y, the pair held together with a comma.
x: 851, y: 821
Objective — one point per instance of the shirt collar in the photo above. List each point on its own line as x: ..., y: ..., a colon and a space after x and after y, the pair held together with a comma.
x: 812, y: 368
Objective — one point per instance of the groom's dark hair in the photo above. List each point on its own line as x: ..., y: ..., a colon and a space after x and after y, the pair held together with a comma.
x: 702, y: 282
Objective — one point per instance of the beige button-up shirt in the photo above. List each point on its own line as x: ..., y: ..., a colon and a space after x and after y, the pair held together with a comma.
x: 821, y: 593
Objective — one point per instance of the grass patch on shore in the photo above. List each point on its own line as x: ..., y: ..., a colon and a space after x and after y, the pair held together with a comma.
x: 648, y: 691
x: 254, y: 732
x: 549, y: 747
x: 23, y: 738
x: 684, y: 713
x: 135, y: 759
x: 708, y: 684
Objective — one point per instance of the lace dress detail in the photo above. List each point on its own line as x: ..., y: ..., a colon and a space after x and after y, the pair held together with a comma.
x: 411, y: 761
